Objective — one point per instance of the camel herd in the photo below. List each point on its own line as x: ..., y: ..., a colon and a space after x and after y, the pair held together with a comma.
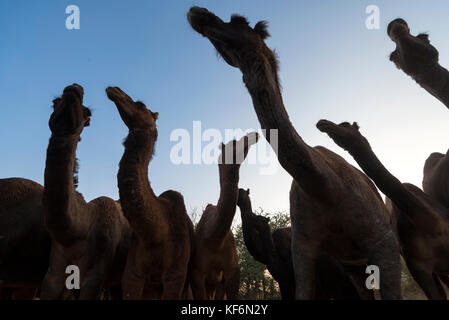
x: 145, y: 246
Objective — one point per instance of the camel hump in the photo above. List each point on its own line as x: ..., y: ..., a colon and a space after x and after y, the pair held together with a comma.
x: 107, y: 207
x: 172, y: 195
x: 174, y: 198
x: 18, y: 189
x: 282, y: 239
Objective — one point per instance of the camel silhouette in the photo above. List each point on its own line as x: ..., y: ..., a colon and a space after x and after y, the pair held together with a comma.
x: 158, y: 261
x: 334, y: 207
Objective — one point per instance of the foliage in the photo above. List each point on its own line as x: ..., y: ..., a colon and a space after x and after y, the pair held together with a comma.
x: 256, y: 282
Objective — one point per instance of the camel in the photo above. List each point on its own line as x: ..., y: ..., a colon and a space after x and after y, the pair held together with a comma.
x: 24, y: 241
x: 93, y: 236
x: 215, y: 259
x: 436, y: 177
x: 270, y: 249
x: 158, y: 263
x: 421, y: 222
x: 334, y: 207
x: 273, y: 249
x: 419, y: 59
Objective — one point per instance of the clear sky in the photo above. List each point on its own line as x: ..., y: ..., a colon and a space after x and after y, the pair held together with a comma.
x: 331, y: 67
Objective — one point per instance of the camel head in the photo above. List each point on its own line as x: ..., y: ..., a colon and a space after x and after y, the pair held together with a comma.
x: 236, y: 41
x: 345, y: 135
x: 252, y: 220
x: 412, y: 54
x: 243, y: 199
x: 133, y: 113
x: 431, y: 162
x: 69, y: 116
x: 234, y: 152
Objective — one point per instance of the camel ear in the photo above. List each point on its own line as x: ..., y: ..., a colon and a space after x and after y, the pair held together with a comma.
x: 261, y: 28
x: 247, y: 191
x: 155, y: 115
x: 424, y: 37
x: 222, y: 146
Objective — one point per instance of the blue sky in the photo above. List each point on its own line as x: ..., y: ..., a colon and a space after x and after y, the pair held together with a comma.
x: 331, y: 67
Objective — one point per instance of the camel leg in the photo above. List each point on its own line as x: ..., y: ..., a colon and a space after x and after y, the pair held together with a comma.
x: 304, y: 263
x: 430, y: 285
x: 173, y: 285
x: 445, y: 279
x: 438, y: 283
x: 93, y: 274
x: 54, y: 286
x: 198, y: 285
x: 233, y: 285
x: 132, y: 284
x: 91, y: 286
x: 287, y: 290
x: 188, y: 294
x: 152, y: 291
x: 386, y: 257
x: 220, y: 291
x: 358, y: 278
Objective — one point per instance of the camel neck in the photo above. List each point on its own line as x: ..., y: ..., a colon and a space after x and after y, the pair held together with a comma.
x: 259, y: 239
x: 294, y: 155
x: 227, y: 202
x: 246, y: 209
x: 435, y: 80
x: 137, y: 198
x: 385, y: 181
x: 432, y: 77
x: 65, y: 209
